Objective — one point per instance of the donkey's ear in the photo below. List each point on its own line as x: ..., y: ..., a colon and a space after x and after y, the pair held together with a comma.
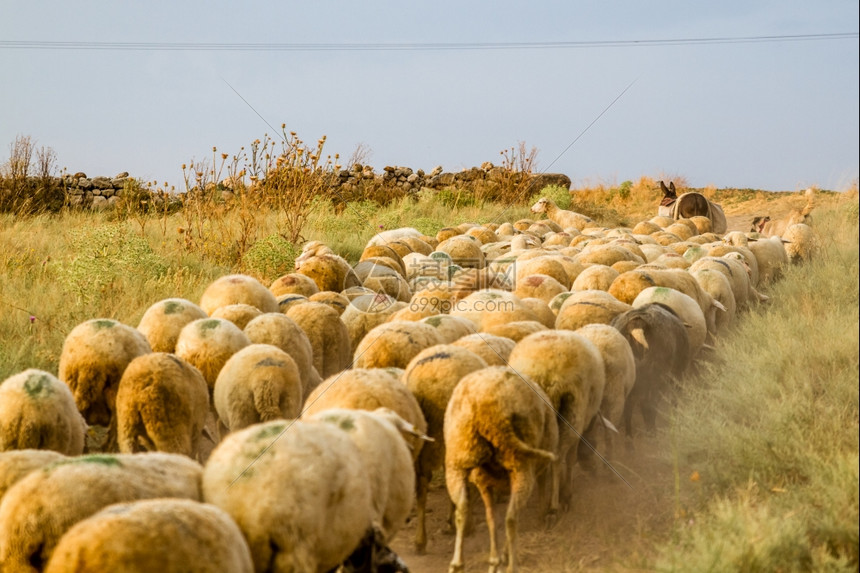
x: 672, y: 186
x: 663, y: 188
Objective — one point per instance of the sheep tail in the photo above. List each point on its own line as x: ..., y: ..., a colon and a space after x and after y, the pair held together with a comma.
x: 266, y: 401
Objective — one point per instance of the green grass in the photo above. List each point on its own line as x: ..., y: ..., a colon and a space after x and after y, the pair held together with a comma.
x: 771, y: 427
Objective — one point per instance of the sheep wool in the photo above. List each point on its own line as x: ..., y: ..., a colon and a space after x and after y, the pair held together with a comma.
x: 327, y: 334
x: 164, y: 535
x: 93, y: 358
x: 238, y: 314
x: 42, y: 506
x: 16, y: 464
x: 450, y: 328
x: 431, y: 377
x: 802, y: 243
x: 494, y: 350
x: 594, y: 277
x: 481, y: 441
x: 684, y: 307
x: 38, y: 411
x: 259, y: 383
x: 588, y: 307
x: 237, y: 289
x: 208, y: 343
x: 316, y: 522
x: 294, y: 283
x: 162, y: 322
x: 369, y: 389
x: 394, y: 344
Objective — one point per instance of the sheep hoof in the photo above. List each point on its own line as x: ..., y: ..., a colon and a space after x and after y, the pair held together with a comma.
x: 455, y: 568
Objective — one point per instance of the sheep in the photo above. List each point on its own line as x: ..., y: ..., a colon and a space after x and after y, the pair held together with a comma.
x: 288, y: 301
x: 208, y: 343
x: 316, y: 522
x: 327, y: 334
x: 282, y: 331
x: 394, y: 344
x: 774, y: 228
x: 496, y: 422
x: 294, y: 283
x: 619, y: 368
x: 646, y: 228
x: 561, y: 268
x: 237, y: 289
x: 464, y: 250
x: 716, y: 284
x: 450, y: 328
x: 490, y: 307
x: 494, y: 350
x: 416, y: 245
x: 562, y: 217
x: 539, y: 286
x: 94, y: 356
x: 569, y: 368
x: 541, y: 309
x: 391, y: 235
x: 802, y: 244
x: 771, y: 257
x: 594, y: 277
x: 366, y: 312
x: 431, y: 377
x: 259, y: 383
x: 161, y: 405
x: 684, y: 307
x: 369, y: 389
x: 387, y: 461
x: 702, y: 223
x: 238, y: 314
x: 745, y: 255
x: 162, y: 322
x: 386, y: 255
x: 737, y: 274
x: 588, y: 307
x: 607, y: 254
x: 661, y: 349
x: 516, y: 330
x: 16, y: 464
x: 381, y: 278
x: 165, y: 535
x: 335, y: 300
x: 38, y: 411
x: 328, y: 270
x: 42, y: 506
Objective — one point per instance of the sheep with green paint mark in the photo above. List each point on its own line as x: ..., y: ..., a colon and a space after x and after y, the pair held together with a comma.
x: 38, y: 411
x: 41, y: 507
x: 450, y: 328
x: 297, y: 490
x: 259, y: 383
x: 16, y: 464
x: 94, y: 356
x: 162, y: 322
x: 208, y: 343
x: 327, y: 334
x: 394, y: 344
x: 161, y: 406
x: 164, y: 535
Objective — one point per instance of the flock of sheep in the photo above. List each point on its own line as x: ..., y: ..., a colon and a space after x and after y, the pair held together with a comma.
x: 296, y: 428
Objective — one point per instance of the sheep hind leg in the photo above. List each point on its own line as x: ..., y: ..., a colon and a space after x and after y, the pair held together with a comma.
x: 522, y: 483
x: 422, y: 484
x: 482, y: 481
x: 456, y: 481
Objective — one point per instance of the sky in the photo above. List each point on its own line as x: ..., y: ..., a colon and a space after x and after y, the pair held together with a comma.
x: 605, y: 91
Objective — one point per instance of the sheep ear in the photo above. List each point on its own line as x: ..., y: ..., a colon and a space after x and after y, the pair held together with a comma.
x: 607, y: 424
x: 719, y: 305
x: 639, y: 336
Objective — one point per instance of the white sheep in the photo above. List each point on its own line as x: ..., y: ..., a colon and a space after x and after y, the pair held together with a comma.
x: 684, y: 307
x: 562, y: 217
x: 569, y: 368
x: 294, y: 283
x: 594, y: 277
x: 394, y: 344
x: 369, y: 389
x: 208, y: 343
x: 539, y: 286
x: 771, y: 258
x: 315, y: 522
x: 365, y: 313
x: 161, y: 405
x: 450, y: 328
x: 716, y: 284
x: 259, y: 383
x: 516, y: 330
x: 164, y: 535
x: 387, y: 461
x: 801, y: 243
x: 541, y: 309
x: 162, y: 322
x: 37, y: 411
x: 493, y: 349
x: 238, y: 314
x: 237, y: 289
x: 16, y: 464
x: 94, y: 356
x: 497, y: 422
x: 619, y: 367
x: 328, y: 270
x: 391, y: 235
x: 383, y: 279
x: 327, y: 334
x: 282, y: 331
x: 335, y: 300
x: 588, y: 307
x: 490, y: 307
x: 42, y: 506
x: 431, y: 377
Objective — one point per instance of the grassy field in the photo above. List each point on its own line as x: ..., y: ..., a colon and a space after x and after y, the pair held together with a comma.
x: 763, y: 439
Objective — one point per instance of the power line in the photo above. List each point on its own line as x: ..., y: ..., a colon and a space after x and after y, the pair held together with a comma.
x: 410, y: 46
